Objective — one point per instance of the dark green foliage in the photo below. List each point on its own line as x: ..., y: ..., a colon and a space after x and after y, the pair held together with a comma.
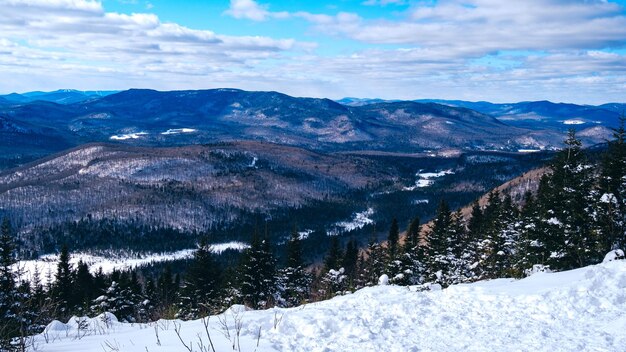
x: 9, y: 303
x: 62, y: 288
x: 257, y: 274
x: 201, y: 285
x: 294, y: 282
x: 392, y: 239
x: 611, y: 205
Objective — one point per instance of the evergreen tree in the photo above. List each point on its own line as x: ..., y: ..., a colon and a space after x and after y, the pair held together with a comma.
x: 294, y: 282
x: 569, y: 186
x: 200, y: 287
x: 257, y: 273
x: 9, y: 303
x: 333, y: 277
x: 333, y: 259
x: 62, y: 289
x: 116, y: 300
x: 610, y: 202
x: 392, y: 239
x: 350, y: 260
x: 413, y: 235
x: 443, y: 254
x: 83, y: 287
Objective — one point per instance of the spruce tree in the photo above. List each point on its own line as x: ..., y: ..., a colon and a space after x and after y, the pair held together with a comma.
x: 610, y: 202
x: 350, y: 260
x: 440, y: 262
x: 200, y: 286
x: 63, y: 285
x: 293, y: 280
x: 412, y: 259
x: 570, y: 186
x: 392, y: 239
x: 9, y: 303
x: 257, y: 273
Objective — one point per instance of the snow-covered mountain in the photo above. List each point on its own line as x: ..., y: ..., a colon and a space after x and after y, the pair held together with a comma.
x: 577, y: 310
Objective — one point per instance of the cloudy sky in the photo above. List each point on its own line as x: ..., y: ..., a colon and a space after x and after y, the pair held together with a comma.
x: 496, y: 50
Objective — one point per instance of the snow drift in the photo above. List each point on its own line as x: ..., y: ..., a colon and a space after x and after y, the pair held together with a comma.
x: 577, y: 310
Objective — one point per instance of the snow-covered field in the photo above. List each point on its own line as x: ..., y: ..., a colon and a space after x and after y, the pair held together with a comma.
x: 178, y: 131
x: 426, y: 179
x: 47, y: 264
x: 358, y: 221
x: 578, y: 310
x: 123, y: 137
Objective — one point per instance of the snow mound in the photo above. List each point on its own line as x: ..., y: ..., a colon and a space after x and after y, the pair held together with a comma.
x: 616, y: 254
x: 577, y: 310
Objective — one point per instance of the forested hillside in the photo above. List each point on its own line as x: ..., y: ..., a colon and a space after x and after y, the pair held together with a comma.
x: 575, y: 217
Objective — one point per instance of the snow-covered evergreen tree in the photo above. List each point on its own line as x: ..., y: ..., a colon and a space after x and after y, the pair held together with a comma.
x: 294, y: 282
x: 257, y: 273
x: 444, y: 263
x: 116, y: 300
x: 610, y: 205
x: 9, y: 300
x: 200, y: 286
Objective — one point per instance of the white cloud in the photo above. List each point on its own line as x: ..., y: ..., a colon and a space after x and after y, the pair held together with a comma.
x: 490, y: 25
x: 383, y: 2
x: 251, y: 10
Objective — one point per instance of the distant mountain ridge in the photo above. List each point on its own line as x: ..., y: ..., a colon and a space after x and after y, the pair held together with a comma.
x: 61, y: 96
x: 144, y: 117
x: 529, y: 114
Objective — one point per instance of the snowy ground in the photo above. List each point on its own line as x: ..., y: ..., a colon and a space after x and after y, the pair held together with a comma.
x: 426, y: 179
x: 358, y: 221
x: 578, y: 310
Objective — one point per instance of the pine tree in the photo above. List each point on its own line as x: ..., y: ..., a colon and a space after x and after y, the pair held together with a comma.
x: 257, y: 273
x: 570, y: 186
x: 531, y: 248
x: 610, y: 202
x: 116, y: 300
x: 294, y: 282
x: 373, y: 264
x: 62, y: 289
x: 333, y: 277
x: 475, y: 236
x: 412, y: 259
x: 442, y: 261
x: 9, y: 303
x: 200, y: 287
x: 334, y: 256
x: 392, y: 239
x: 83, y: 287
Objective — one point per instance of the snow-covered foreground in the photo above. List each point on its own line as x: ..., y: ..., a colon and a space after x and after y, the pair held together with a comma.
x: 578, y: 310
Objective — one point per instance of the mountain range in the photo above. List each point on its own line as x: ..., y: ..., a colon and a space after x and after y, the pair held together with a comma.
x: 35, y: 128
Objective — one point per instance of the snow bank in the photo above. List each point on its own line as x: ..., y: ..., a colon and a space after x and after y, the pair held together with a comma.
x: 578, y: 310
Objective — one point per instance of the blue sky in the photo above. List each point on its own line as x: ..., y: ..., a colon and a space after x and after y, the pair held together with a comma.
x: 501, y: 51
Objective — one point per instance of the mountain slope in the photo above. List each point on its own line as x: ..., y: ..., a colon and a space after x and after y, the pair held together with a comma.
x: 190, y: 188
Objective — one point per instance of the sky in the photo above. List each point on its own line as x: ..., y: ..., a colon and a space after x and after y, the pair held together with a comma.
x: 494, y: 50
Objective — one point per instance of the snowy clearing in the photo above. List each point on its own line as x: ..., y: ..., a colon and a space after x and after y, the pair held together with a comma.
x: 123, y: 137
x: 47, y: 264
x: 426, y: 179
x: 178, y: 131
x: 573, y: 122
x: 578, y: 310
x: 359, y: 220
